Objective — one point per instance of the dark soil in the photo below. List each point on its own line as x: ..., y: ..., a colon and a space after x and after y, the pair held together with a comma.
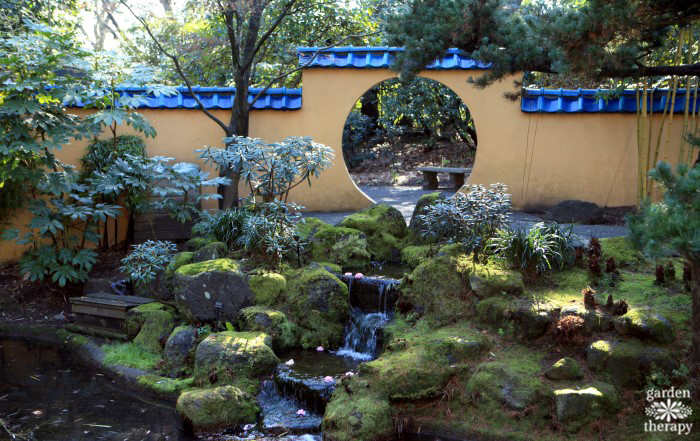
x: 24, y: 301
x: 394, y: 163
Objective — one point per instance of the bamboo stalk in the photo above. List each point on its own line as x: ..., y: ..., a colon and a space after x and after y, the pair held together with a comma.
x: 644, y: 147
x: 661, y: 128
x: 684, y: 132
x: 669, y: 125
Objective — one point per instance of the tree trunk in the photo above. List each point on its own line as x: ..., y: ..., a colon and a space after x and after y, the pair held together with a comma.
x: 238, y: 127
x: 369, y: 107
x: 695, y: 326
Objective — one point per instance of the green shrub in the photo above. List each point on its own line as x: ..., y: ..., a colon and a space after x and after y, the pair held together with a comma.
x: 147, y: 260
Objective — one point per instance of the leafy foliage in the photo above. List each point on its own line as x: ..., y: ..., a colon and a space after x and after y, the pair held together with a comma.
x: 470, y: 219
x: 271, y: 170
x: 101, y: 153
x: 545, y: 246
x: 146, y: 261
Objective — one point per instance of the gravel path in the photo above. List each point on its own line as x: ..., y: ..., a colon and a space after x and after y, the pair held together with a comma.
x: 405, y: 198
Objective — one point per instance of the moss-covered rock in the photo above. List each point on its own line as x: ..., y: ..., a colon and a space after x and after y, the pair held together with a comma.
x: 414, y: 255
x: 419, y: 371
x: 525, y: 319
x: 577, y: 407
x: 357, y: 412
x: 233, y: 358
x: 621, y: 250
x: 272, y: 322
x: 339, y: 245
x: 164, y: 386
x: 268, y: 288
x: 384, y: 227
x: 594, y: 319
x: 629, y: 362
x: 318, y: 303
x: 196, y: 243
x: 565, y: 369
x: 211, y: 251
x: 645, y: 324
x: 488, y: 281
x: 216, y: 408
x: 438, y: 288
x: 179, y: 350
x: 424, y: 202
x: 179, y: 260
x: 201, y: 287
x: 509, y: 384
x: 149, y: 325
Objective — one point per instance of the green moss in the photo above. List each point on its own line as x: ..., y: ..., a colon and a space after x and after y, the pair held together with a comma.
x: 179, y: 260
x: 577, y: 407
x: 332, y: 267
x: 268, y: 288
x: 150, y: 325
x: 493, y: 311
x: 439, y: 288
x: 210, y: 409
x: 565, y: 369
x: 318, y: 303
x: 196, y: 243
x: 220, y: 265
x: 357, y: 413
x: 165, y: 386
x: 621, y: 250
x: 645, y: 324
x: 272, y: 322
x: 130, y: 355
x: 234, y: 358
x: 490, y: 280
x: 414, y: 255
x: 72, y: 338
x: 384, y: 227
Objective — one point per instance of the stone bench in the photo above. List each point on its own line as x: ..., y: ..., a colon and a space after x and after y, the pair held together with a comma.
x: 457, y: 176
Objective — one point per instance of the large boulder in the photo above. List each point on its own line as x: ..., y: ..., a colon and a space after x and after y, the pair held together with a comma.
x: 318, y: 302
x: 220, y: 407
x: 357, y: 412
x: 268, y: 288
x: 576, y: 407
x: 438, y: 288
x: 149, y: 325
x: 500, y: 383
x: 488, y: 281
x: 179, y: 349
x: 234, y: 358
x: 565, y: 369
x: 645, y: 324
x: 326, y: 243
x: 525, y: 319
x: 573, y: 211
x: 424, y: 202
x: 272, y: 322
x: 212, y: 290
x: 629, y: 362
x: 211, y: 251
x: 384, y: 227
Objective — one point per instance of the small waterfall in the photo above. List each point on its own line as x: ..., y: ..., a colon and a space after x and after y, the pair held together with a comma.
x: 363, y: 335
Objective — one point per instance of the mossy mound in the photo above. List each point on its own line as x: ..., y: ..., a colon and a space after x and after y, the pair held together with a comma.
x: 164, y: 386
x: 234, y: 358
x: 577, y: 407
x: 565, y: 369
x: 595, y: 320
x: 489, y: 280
x: 514, y: 383
x: 272, y: 322
x: 438, y: 288
x: 525, y: 319
x: 216, y: 408
x: 357, y: 412
x: 149, y: 325
x: 629, y: 362
x: 219, y: 265
x: 339, y: 245
x: 268, y: 288
x: 318, y: 304
x: 384, y: 227
x: 414, y: 255
x: 179, y: 260
x: 197, y: 243
x: 645, y: 324
x: 621, y: 250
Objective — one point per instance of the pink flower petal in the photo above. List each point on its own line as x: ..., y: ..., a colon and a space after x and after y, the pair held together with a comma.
x: 359, y: 275
x: 328, y: 379
x: 301, y: 412
x: 320, y: 349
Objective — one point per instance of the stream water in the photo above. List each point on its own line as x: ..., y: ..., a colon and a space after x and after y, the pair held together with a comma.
x: 45, y: 396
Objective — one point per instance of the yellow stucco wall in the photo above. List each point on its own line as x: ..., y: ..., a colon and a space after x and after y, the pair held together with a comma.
x: 542, y: 158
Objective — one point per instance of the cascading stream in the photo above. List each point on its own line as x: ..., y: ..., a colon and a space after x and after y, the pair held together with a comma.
x: 363, y: 335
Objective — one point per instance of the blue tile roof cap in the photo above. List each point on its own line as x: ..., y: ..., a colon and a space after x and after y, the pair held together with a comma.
x: 381, y: 57
x: 217, y: 98
x: 590, y: 101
